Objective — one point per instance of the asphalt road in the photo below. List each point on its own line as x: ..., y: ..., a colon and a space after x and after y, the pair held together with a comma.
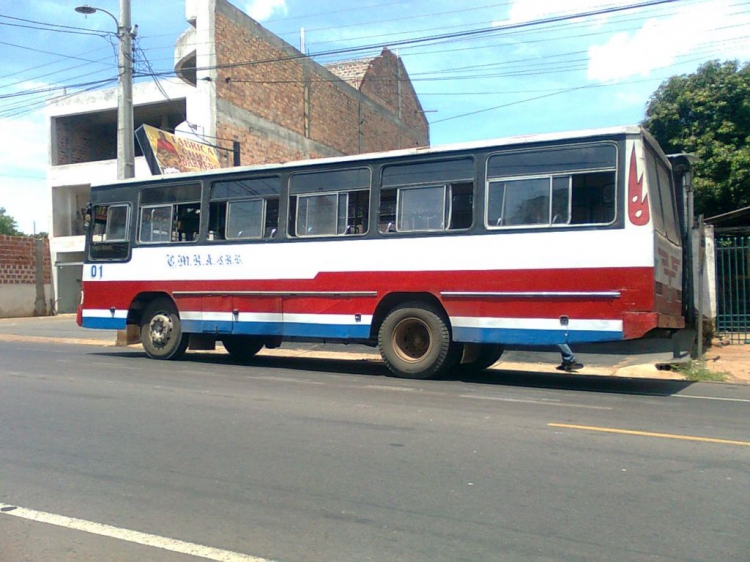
x: 308, y: 460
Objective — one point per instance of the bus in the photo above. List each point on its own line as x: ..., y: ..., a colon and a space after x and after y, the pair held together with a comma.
x: 437, y: 256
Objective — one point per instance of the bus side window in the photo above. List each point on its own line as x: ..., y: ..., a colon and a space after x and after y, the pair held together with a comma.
x: 593, y: 198
x: 329, y: 203
x: 555, y: 186
x: 170, y: 213
x: 272, y: 219
x: 519, y: 202
x: 244, y: 208
x: 434, y: 196
x: 387, y: 220
x: 187, y: 225
x: 156, y: 224
x: 217, y: 220
x: 421, y: 209
x: 245, y: 219
x: 461, y: 206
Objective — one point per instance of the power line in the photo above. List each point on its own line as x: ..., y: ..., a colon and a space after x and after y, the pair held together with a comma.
x: 444, y: 36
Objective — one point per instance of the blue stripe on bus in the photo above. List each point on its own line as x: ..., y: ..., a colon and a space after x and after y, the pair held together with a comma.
x: 103, y: 323
x: 532, y: 337
x: 288, y: 329
x: 348, y: 331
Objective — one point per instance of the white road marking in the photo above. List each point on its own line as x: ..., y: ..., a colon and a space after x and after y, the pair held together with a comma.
x: 712, y: 398
x: 541, y: 402
x: 387, y: 387
x: 136, y: 537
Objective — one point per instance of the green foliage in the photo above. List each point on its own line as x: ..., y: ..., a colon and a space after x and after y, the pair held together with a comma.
x: 8, y: 224
x: 708, y: 114
x: 696, y: 370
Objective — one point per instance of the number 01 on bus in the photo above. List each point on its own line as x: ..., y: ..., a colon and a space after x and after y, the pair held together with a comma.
x: 437, y: 256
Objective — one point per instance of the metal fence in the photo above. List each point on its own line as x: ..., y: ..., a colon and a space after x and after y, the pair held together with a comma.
x: 733, y: 286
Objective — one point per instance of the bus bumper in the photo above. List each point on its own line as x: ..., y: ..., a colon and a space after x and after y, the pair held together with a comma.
x: 638, y: 324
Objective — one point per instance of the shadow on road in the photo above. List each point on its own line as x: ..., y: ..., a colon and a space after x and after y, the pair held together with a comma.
x: 493, y: 377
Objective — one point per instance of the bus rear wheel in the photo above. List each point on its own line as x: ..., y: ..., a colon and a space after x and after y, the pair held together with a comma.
x: 242, y: 348
x: 487, y: 356
x: 161, y: 331
x: 415, y: 342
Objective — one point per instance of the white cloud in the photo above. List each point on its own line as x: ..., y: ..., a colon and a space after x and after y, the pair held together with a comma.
x: 658, y: 43
x: 261, y: 10
x: 23, y: 172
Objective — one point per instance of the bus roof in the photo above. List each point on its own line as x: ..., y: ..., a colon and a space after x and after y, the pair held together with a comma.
x: 456, y: 147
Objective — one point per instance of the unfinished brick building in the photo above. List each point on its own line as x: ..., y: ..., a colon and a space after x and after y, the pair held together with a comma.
x: 283, y: 106
x: 236, y: 81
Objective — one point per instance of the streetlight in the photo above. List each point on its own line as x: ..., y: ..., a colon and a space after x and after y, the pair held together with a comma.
x: 125, y: 134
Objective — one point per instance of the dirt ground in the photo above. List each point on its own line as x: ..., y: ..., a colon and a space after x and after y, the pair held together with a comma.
x: 732, y: 359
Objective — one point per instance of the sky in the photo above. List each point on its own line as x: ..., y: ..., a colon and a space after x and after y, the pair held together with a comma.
x: 481, y: 69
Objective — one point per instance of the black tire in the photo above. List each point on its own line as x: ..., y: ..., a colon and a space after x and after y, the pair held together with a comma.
x: 415, y: 341
x: 242, y: 348
x: 161, y: 330
x: 488, y: 355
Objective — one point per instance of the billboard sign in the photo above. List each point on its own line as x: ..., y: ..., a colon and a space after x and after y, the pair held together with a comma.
x: 167, y: 153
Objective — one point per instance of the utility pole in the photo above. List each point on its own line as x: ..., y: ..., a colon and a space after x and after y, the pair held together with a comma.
x: 125, y: 133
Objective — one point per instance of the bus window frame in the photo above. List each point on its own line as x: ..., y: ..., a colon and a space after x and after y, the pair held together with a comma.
x: 318, y: 194
x: 552, y: 175
x: 502, y: 215
x: 390, y: 228
x: 198, y: 203
x: 107, y: 239
x: 101, y: 245
x: 140, y: 223
x: 294, y: 194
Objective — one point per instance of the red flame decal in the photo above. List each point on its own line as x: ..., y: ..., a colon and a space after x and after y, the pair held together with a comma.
x: 637, y: 200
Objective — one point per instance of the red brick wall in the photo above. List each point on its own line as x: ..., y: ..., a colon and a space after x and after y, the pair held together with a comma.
x: 18, y: 260
x: 340, y: 118
x: 78, y: 141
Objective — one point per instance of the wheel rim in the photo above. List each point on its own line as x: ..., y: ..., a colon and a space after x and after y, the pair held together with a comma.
x: 160, y: 329
x: 412, y: 340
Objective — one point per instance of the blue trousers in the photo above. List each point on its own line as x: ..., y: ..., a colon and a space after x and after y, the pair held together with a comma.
x: 567, y: 353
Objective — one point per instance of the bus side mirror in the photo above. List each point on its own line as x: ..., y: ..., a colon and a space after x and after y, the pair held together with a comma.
x: 87, y: 217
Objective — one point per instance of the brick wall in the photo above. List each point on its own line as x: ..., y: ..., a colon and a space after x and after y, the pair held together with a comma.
x: 18, y: 290
x: 316, y: 113
x: 80, y: 141
x: 18, y: 260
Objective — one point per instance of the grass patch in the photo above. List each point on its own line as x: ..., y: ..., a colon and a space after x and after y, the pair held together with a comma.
x: 697, y: 371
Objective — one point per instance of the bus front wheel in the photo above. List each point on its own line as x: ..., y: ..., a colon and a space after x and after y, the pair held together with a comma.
x: 415, y: 342
x: 161, y: 331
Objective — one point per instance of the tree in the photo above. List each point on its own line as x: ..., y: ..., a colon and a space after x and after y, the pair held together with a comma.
x: 708, y: 114
x: 8, y: 224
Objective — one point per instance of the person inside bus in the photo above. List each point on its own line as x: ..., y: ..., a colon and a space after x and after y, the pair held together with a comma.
x: 569, y: 361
